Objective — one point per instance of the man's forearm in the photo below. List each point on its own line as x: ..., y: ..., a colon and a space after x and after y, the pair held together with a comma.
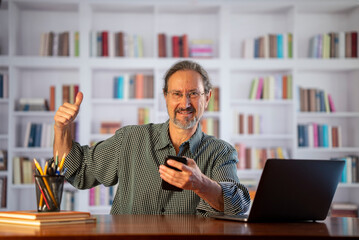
x: 62, y: 141
x: 211, y: 192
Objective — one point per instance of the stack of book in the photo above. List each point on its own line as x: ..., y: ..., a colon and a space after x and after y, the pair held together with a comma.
x: 315, y: 100
x: 271, y: 87
x: 319, y: 135
x: 210, y: 126
x: 255, y: 158
x: 4, y: 85
x: 344, y: 210
x: 247, y: 123
x: 269, y: 46
x: 334, y: 45
x: 60, y: 44
x: 201, y: 48
x: 115, y: 44
x: 34, y: 218
x: 133, y: 86
x: 32, y: 104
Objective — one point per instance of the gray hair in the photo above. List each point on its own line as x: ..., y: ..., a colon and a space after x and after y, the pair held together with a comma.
x: 188, y: 65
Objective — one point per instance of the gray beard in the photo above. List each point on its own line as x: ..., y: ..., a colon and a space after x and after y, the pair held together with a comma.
x: 187, y: 125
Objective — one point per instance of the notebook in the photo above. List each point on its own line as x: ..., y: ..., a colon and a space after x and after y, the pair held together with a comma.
x: 293, y: 190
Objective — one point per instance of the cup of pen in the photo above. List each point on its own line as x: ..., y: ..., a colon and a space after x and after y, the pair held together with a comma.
x: 49, y: 190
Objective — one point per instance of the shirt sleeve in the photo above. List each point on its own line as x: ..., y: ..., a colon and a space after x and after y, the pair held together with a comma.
x: 235, y: 195
x: 90, y: 166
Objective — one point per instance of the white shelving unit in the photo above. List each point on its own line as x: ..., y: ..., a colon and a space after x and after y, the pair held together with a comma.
x: 226, y: 23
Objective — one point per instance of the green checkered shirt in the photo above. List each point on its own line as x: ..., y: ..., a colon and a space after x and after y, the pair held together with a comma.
x: 132, y: 157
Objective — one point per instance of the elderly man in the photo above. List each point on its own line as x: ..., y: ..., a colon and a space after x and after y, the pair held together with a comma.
x: 134, y: 157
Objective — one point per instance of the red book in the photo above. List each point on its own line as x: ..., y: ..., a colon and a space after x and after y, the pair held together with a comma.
x: 76, y: 90
x: 185, y: 51
x: 175, y: 47
x: 250, y: 124
x: 105, y: 43
x: 354, y: 44
x: 162, y: 45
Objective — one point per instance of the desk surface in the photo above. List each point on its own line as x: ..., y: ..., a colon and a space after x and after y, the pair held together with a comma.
x: 184, y: 227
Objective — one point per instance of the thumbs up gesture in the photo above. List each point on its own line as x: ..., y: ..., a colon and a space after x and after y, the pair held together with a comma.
x: 67, y: 113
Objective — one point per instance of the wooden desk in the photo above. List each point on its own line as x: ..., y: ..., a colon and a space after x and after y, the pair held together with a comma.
x: 184, y: 227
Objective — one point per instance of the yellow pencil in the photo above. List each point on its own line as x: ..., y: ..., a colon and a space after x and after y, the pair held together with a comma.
x: 61, y: 165
x: 41, y: 197
x: 45, y: 181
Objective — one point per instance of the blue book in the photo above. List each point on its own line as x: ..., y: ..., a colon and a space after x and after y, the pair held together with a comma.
x: 38, y: 135
x: 280, y: 46
x: 115, y: 87
x: 322, y: 101
x: 256, y: 48
x: 344, y: 174
x: 320, y: 135
x: 120, y: 87
x: 300, y: 136
x: 325, y: 135
x: 32, y: 135
x: 305, y: 136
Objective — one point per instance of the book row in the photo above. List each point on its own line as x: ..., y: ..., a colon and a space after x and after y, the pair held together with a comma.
x: 60, y: 44
x: 334, y: 45
x: 255, y: 158
x: 271, y: 87
x: 351, y: 169
x: 3, y: 160
x: 4, y: 85
x: 39, y: 135
x: 315, y: 100
x: 213, y: 104
x: 101, y: 195
x: 3, y: 191
x: 68, y: 200
x: 143, y: 116
x: 23, y: 170
x: 179, y: 46
x: 269, y: 46
x: 210, y: 126
x: 60, y: 94
x: 316, y: 135
x: 136, y: 86
x: 247, y: 123
x: 115, y: 44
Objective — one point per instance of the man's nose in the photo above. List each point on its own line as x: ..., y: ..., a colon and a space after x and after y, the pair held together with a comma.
x: 185, y: 100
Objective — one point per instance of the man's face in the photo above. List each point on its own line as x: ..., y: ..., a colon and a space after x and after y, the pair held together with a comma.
x: 186, y: 100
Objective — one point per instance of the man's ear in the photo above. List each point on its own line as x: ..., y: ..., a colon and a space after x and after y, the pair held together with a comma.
x: 208, y: 97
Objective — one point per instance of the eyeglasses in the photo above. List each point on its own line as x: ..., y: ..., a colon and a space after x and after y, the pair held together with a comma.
x: 177, y: 95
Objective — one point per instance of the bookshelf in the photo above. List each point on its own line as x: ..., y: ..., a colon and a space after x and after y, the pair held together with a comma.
x: 226, y: 23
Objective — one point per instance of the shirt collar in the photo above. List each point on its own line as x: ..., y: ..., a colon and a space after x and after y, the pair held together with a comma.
x: 164, y: 138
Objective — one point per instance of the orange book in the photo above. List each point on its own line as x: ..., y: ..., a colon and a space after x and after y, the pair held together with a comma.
x: 52, y: 98
x: 139, y: 86
x: 284, y: 87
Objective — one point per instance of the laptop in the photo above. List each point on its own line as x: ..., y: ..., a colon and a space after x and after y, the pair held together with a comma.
x: 293, y: 190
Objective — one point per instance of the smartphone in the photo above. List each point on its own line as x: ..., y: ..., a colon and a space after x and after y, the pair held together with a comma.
x: 166, y: 185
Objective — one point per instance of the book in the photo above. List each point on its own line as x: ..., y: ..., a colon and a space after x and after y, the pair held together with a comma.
x: 35, y: 215
x: 45, y: 222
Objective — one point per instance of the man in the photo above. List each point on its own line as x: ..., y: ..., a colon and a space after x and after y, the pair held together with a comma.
x: 135, y: 155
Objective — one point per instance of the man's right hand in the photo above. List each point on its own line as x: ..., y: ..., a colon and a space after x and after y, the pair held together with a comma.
x: 67, y: 113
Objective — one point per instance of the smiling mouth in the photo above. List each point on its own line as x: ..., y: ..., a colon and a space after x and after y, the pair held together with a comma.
x: 186, y: 111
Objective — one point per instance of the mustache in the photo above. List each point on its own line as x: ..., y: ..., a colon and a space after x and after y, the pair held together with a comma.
x: 189, y: 109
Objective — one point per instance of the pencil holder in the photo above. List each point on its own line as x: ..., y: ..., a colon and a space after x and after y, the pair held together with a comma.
x: 49, y: 192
